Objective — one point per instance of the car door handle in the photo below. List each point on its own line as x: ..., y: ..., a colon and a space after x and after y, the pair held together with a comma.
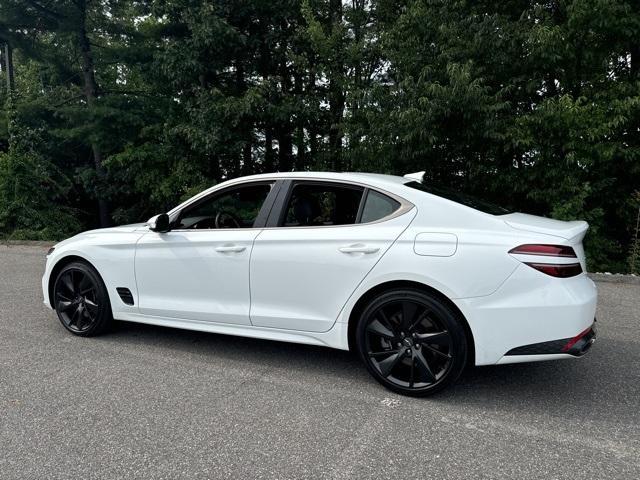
x: 358, y: 248
x: 231, y: 249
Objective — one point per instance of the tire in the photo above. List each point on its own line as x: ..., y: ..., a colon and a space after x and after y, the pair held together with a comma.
x: 412, y: 342
x: 81, y: 300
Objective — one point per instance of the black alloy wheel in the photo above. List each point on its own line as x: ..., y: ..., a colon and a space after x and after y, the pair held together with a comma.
x: 81, y: 300
x: 412, y: 342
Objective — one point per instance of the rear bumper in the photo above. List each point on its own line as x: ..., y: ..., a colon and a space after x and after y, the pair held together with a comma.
x: 532, y: 317
x: 576, y: 346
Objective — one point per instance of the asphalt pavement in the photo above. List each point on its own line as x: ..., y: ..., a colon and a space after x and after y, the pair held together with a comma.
x: 149, y: 402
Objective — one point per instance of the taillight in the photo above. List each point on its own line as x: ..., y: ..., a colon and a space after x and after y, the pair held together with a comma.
x: 545, y: 250
x: 559, y: 270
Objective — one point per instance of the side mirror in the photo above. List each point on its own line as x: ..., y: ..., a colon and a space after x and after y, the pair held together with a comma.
x: 159, y: 223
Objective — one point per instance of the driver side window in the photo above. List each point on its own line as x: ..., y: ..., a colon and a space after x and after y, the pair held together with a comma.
x: 235, y: 208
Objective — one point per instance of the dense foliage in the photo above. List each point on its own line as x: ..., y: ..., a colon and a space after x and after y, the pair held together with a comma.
x: 121, y: 108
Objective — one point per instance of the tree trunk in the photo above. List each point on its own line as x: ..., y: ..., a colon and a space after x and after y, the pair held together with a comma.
x: 285, y: 127
x: 635, y: 60
x: 300, y: 120
x: 357, y: 86
x: 247, y: 160
x: 269, y: 160
x: 313, y: 141
x: 285, y: 148
x: 246, y: 128
x: 90, y: 89
x: 336, y: 93
x: 8, y: 67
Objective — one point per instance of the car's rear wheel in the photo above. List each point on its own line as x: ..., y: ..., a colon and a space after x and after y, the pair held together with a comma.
x: 81, y: 300
x: 412, y: 342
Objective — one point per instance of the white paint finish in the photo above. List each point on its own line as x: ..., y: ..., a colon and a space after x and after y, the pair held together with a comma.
x: 301, y: 277
x: 575, y: 230
x: 530, y: 307
x: 111, y: 251
x: 478, y: 268
x: 435, y: 244
x: 195, y: 275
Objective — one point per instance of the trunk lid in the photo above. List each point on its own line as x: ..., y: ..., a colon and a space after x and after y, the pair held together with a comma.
x: 573, y: 231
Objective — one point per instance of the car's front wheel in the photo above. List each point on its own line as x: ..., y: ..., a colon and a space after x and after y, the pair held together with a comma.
x: 412, y: 342
x: 81, y: 300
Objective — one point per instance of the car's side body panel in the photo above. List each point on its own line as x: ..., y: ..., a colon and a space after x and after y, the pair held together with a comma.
x: 111, y: 251
x: 195, y: 274
x: 302, y: 276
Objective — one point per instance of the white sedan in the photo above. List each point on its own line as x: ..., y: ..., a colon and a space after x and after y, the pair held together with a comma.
x: 419, y: 280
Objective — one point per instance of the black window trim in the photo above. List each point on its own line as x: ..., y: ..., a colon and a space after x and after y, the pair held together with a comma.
x: 363, y: 201
x: 261, y: 218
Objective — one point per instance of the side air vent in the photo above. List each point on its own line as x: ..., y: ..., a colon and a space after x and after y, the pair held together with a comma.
x: 125, y: 295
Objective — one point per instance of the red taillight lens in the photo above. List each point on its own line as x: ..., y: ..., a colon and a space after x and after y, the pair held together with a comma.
x: 545, y: 250
x: 558, y: 270
x: 554, y: 269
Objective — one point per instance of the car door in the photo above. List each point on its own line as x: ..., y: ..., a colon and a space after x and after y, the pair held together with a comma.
x: 199, y: 270
x: 324, y: 238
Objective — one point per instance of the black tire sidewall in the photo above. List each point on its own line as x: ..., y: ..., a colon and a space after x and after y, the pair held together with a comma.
x: 105, y: 317
x: 445, y: 313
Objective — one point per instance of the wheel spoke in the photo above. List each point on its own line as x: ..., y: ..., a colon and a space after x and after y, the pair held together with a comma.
x: 418, y: 319
x: 382, y: 354
x: 412, y: 374
x: 75, y: 317
x: 384, y: 320
x: 436, y: 351
x: 379, y: 329
x: 85, y: 285
x: 62, y: 297
x: 423, y: 367
x: 64, y: 305
x: 387, y: 365
x: 409, y: 311
x: 439, y: 338
x: 87, y: 317
x: 67, y: 281
x: 92, y: 307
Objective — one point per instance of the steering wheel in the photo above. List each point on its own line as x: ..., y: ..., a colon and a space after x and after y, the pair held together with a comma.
x: 223, y: 218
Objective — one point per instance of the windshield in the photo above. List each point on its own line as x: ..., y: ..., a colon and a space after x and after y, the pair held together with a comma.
x: 459, y: 197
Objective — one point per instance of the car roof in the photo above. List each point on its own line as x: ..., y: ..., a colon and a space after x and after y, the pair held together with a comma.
x: 374, y: 179
x: 389, y: 183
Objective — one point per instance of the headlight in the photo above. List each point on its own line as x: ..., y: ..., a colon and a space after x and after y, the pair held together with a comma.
x: 50, y: 251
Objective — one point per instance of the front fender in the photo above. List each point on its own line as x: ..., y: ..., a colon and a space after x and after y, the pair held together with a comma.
x: 111, y: 253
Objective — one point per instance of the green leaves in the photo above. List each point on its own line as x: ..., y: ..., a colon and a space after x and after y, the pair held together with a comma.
x: 534, y: 105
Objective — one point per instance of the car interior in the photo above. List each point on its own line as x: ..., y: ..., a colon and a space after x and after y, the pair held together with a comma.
x: 237, y: 208
x: 316, y: 205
